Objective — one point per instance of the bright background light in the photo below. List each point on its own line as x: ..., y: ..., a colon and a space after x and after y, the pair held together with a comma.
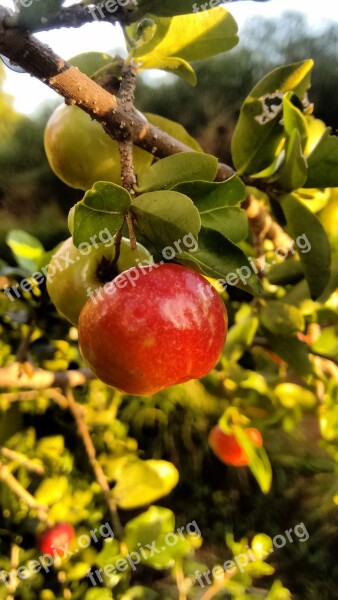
x: 29, y: 93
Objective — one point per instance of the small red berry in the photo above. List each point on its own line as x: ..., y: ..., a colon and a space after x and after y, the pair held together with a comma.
x: 228, y: 450
x: 54, y: 539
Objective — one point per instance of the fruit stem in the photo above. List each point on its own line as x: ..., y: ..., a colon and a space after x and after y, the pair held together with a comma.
x: 83, y: 431
x: 132, y: 236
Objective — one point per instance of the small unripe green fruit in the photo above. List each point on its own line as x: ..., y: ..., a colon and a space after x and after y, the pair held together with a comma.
x: 72, y: 274
x: 80, y: 152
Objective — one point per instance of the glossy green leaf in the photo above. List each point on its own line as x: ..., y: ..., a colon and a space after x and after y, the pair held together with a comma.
x: 293, y: 172
x: 315, y: 262
x: 187, y: 38
x: 282, y: 319
x: 293, y: 119
x: 27, y: 249
x: 166, y: 217
x: 174, y: 129
x: 323, y: 162
x: 218, y: 257
x: 143, y: 482
x: 289, y: 271
x: 219, y: 205
x: 258, y: 135
x: 148, y: 526
x: 259, y: 462
x: 104, y: 206
x: 186, y: 166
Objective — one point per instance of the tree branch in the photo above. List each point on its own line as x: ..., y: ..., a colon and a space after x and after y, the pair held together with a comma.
x: 83, y: 431
x: 119, y: 121
x: 12, y: 376
x: 8, y: 478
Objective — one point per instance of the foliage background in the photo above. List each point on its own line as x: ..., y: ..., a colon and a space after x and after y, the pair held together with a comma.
x: 174, y: 425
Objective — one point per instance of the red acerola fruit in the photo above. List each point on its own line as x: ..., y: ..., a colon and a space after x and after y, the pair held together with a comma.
x: 153, y: 327
x: 54, y: 540
x: 228, y: 450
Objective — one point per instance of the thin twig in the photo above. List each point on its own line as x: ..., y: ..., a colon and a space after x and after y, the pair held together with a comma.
x: 13, y: 573
x: 8, y: 478
x: 22, y: 460
x: 83, y: 431
x: 39, y: 379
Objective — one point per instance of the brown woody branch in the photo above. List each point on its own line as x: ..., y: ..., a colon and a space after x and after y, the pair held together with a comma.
x: 82, y: 428
x: 119, y: 121
x: 13, y: 376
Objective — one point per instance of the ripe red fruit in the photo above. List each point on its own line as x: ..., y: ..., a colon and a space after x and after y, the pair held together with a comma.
x: 154, y: 327
x: 228, y: 450
x: 54, y: 540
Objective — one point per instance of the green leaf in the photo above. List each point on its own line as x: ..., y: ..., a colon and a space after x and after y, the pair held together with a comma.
x: 51, y: 490
x: 278, y: 592
x: 27, y: 249
x: 241, y: 334
x: 139, y: 592
x: 98, y: 594
x: 143, y: 482
x: 291, y: 395
x: 259, y: 463
x: 166, y: 217
x: 104, y: 206
x: 292, y: 350
x: 323, y: 162
x: 292, y: 174
x: 109, y: 552
x: 171, y: 553
x: 289, y: 271
x: 258, y: 136
x: 186, y: 166
x: 174, y: 129
x: 219, y: 205
x: 186, y: 38
x: 282, y: 319
x: 316, y: 262
x: 218, y: 257
x: 327, y: 343
x: 293, y: 119
x: 148, y: 526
